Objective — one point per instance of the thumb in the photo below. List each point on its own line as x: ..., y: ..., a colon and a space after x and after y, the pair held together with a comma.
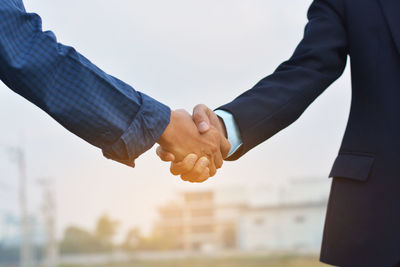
x: 201, y: 118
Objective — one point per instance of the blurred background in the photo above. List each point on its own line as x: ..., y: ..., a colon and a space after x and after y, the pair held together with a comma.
x: 62, y: 203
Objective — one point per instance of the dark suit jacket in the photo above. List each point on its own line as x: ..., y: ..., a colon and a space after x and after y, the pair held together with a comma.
x: 363, y: 219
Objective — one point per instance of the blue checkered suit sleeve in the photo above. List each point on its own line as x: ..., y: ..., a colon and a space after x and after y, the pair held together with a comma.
x: 97, y: 107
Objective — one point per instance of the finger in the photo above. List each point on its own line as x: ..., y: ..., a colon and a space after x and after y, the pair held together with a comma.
x: 165, y: 155
x: 212, y: 167
x: 201, y: 118
x: 218, y: 160
x: 197, y: 172
x: 204, y: 176
x: 185, y: 165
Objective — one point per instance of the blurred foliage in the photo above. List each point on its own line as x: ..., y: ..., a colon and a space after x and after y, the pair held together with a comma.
x: 80, y: 241
x: 288, y: 261
x: 155, y: 243
x: 106, y: 229
x: 134, y: 241
x: 77, y: 240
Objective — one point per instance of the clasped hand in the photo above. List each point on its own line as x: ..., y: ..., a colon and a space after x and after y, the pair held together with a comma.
x: 195, y: 145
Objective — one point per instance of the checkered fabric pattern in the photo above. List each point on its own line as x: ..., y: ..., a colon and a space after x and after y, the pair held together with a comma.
x: 97, y: 107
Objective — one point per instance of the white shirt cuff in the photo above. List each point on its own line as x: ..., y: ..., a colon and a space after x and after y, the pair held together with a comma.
x: 232, y: 130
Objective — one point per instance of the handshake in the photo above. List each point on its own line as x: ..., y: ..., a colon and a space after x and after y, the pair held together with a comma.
x: 195, y: 145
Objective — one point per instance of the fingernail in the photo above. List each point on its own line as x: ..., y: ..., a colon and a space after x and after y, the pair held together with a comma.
x: 203, y: 126
x: 192, y: 157
x: 204, y: 163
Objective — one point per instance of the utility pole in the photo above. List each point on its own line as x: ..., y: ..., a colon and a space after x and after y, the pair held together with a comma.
x: 25, y: 250
x: 49, y: 216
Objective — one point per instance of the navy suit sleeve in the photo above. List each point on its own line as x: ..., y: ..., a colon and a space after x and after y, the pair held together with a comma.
x: 279, y: 99
x: 97, y: 107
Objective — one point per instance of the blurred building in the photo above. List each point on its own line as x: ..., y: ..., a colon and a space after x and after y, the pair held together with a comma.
x: 284, y: 218
x: 10, y: 231
x: 10, y: 239
x: 282, y: 228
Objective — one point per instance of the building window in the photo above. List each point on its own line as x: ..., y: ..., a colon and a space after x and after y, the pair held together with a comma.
x: 229, y: 237
x: 199, y: 197
x: 202, y: 213
x: 204, y: 229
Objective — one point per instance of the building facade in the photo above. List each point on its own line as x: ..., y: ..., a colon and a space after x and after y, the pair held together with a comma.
x: 214, y: 221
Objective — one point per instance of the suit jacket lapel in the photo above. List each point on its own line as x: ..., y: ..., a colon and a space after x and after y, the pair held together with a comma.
x: 391, y: 9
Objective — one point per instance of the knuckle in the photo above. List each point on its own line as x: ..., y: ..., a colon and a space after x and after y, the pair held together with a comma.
x: 203, y: 179
x: 183, y: 178
x: 174, y: 170
x: 219, y: 165
x: 187, y: 177
x: 200, y: 110
x: 197, y: 173
x: 185, y: 169
x: 197, y: 116
x: 213, y: 171
x: 200, y: 106
x: 214, y: 148
x: 215, y: 135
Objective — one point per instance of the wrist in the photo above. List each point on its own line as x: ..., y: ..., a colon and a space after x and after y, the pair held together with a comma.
x: 222, y: 127
x: 165, y: 138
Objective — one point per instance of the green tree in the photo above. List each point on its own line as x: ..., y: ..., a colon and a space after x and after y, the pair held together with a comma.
x: 106, y: 229
x: 132, y: 240
x: 77, y: 240
x: 154, y: 242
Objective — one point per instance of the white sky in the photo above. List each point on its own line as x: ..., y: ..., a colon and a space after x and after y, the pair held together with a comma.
x: 182, y: 53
